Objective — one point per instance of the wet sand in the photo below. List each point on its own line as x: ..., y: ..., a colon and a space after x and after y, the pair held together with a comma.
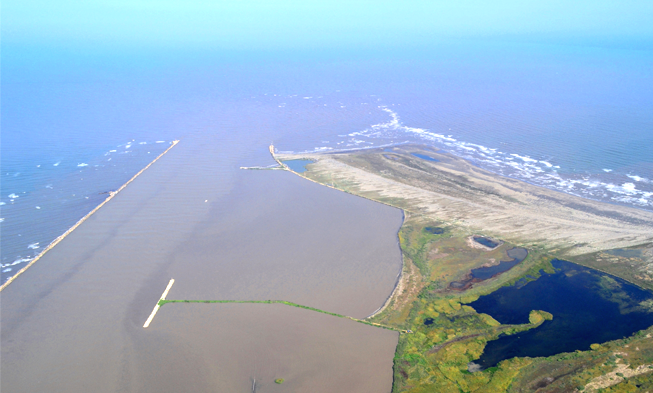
x: 73, y: 321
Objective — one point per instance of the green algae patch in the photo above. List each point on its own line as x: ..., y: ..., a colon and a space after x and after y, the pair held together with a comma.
x: 279, y: 381
x: 489, y: 320
x: 537, y: 317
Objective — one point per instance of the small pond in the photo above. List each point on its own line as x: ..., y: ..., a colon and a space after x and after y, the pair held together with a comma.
x: 425, y: 157
x: 517, y: 254
x: 434, y: 230
x: 620, y: 252
x: 588, y: 307
x: 298, y: 166
x: 487, y: 242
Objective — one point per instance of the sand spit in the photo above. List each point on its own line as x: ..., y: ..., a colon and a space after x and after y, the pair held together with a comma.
x: 455, y: 191
x: 78, y: 223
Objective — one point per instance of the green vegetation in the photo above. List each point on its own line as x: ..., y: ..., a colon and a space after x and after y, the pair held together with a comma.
x: 448, y: 334
x: 279, y: 381
x: 633, y: 264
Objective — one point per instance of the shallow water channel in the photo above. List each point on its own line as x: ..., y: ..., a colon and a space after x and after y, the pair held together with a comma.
x: 588, y: 307
x: 298, y: 166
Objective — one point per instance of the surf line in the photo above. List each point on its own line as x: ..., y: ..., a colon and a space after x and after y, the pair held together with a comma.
x: 158, y: 304
x: 68, y: 232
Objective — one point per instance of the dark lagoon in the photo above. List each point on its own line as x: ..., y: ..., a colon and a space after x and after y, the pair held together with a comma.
x: 588, y: 307
x: 517, y: 254
x: 434, y: 230
x: 485, y: 241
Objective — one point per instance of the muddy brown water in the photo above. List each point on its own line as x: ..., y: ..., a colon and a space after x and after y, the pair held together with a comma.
x: 73, y: 322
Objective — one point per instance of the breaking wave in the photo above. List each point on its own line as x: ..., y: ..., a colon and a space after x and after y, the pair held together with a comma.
x: 607, y: 186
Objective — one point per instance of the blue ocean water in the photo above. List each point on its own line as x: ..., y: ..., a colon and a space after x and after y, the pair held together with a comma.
x: 572, y: 118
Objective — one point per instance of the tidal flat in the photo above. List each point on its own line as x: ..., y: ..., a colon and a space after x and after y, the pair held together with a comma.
x: 464, y: 203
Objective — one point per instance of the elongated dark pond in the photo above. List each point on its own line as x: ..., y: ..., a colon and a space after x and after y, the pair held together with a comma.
x: 517, y: 254
x: 485, y: 241
x: 425, y: 157
x: 588, y: 307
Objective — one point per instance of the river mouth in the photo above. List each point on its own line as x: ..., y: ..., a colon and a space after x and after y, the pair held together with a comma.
x: 588, y: 307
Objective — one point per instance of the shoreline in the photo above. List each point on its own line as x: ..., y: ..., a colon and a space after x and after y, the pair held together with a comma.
x: 460, y: 193
x: 601, y: 226
x: 78, y: 223
x: 355, y: 150
x: 398, y: 283
x: 400, y: 276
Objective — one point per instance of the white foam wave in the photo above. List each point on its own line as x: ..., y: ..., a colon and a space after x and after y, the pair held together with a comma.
x: 2, y: 219
x: 13, y: 196
x: 3, y: 203
x: 83, y: 164
x: 17, y: 261
x: 160, y: 141
x: 56, y: 163
x: 34, y: 246
x: 524, y: 158
x: 639, y: 179
x: 520, y: 166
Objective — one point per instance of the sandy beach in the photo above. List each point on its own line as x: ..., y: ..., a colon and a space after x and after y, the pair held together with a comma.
x: 455, y: 191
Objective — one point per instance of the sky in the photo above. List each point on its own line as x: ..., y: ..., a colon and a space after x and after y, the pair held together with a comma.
x: 291, y: 24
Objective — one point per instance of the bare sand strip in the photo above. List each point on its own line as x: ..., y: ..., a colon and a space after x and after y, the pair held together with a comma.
x: 78, y: 223
x: 158, y: 304
x: 456, y: 192
x: 312, y: 156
